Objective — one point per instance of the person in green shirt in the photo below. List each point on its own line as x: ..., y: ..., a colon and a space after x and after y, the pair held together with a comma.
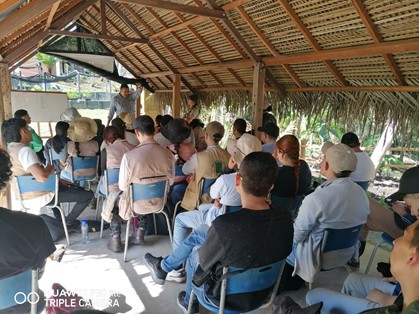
x: 36, y: 145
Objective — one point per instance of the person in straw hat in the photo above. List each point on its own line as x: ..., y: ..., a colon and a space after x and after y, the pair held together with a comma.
x: 81, y: 133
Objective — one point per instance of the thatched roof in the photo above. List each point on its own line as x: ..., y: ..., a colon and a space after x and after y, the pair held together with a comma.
x: 360, y: 57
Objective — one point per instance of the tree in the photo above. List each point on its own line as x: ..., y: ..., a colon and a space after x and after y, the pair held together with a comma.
x: 46, y: 60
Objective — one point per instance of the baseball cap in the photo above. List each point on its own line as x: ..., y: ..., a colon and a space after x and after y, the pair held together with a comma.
x: 245, y: 145
x: 326, y: 146
x: 215, y: 130
x: 341, y: 158
x: 409, y: 184
x: 350, y: 139
x: 270, y: 128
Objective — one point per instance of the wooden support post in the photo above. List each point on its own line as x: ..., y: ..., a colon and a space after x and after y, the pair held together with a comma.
x: 258, y: 95
x: 5, y: 113
x: 303, y: 148
x: 176, y: 96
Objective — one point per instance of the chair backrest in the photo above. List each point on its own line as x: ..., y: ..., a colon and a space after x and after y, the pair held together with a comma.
x: 206, y: 184
x: 179, y: 171
x: 111, y: 178
x: 154, y: 190
x: 84, y: 163
x: 258, y: 282
x: 338, y: 246
x: 28, y: 184
x: 53, y: 155
x: 19, y: 288
x: 231, y: 209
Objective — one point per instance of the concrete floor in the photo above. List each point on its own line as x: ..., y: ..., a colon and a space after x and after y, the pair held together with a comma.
x: 117, y: 287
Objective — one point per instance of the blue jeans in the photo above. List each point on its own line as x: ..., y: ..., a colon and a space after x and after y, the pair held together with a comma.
x: 177, y: 192
x: 186, y: 221
x: 187, y: 250
x: 352, y: 299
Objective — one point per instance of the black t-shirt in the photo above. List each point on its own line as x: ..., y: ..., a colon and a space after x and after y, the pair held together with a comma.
x: 285, y: 182
x: 246, y: 239
x: 25, y: 242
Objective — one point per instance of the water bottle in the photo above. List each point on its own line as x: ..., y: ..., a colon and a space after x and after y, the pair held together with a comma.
x: 84, y: 231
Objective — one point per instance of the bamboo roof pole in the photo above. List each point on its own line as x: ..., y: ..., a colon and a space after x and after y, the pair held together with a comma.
x: 258, y: 96
x: 176, y: 96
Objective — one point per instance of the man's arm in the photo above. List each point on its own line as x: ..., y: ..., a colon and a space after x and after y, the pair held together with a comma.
x: 308, y: 217
x: 112, y: 109
x: 212, y: 251
x: 218, y: 189
x: 40, y: 173
x: 31, y: 164
x: 123, y: 174
x: 191, y: 165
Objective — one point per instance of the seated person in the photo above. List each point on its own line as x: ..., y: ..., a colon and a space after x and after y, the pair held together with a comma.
x: 58, y: 144
x: 26, y: 162
x: 160, y: 137
x: 223, y: 191
x: 193, y: 108
x: 81, y: 133
x: 244, y: 238
x: 360, y: 292
x: 25, y: 240
x: 198, y: 138
x: 269, y: 132
x: 404, y: 261
x: 365, y: 169
x: 140, y: 165
x: 338, y: 203
x: 294, y: 176
x: 128, y: 133
x: 239, y: 128
x: 111, y: 156
x: 36, y: 144
x: 208, y: 164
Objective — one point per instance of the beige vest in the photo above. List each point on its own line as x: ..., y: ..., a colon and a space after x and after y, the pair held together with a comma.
x: 114, y: 154
x: 211, y: 163
x: 147, y: 160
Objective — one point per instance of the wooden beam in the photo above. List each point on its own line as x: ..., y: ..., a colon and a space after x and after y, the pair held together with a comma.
x: 328, y: 89
x: 9, y: 4
x: 258, y: 96
x: 391, y: 47
x: 98, y: 36
x: 103, y: 17
x: 376, y: 36
x: 177, y: 7
x: 51, y: 14
x: 59, y: 22
x: 180, y: 26
x: 23, y: 15
x: 132, y: 26
x: 176, y: 96
x: 234, y: 4
x: 23, y: 60
x: 310, y: 38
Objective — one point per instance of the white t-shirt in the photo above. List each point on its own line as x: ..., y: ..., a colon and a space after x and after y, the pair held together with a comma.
x: 365, y: 169
x: 27, y: 158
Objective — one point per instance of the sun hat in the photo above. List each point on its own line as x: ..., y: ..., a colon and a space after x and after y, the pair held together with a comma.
x: 270, y: 128
x: 82, y: 129
x: 245, y: 145
x: 69, y: 115
x: 176, y: 131
x: 215, y: 130
x: 128, y: 119
x: 341, y: 158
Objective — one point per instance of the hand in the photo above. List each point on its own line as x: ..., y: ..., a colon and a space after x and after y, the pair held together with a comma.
x: 139, y: 86
x: 231, y: 163
x: 49, y: 169
x: 389, y: 279
x: 380, y: 297
x: 217, y: 203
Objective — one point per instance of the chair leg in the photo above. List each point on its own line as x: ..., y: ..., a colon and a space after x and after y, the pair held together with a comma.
x: 34, y: 295
x: 101, y: 227
x: 310, y: 285
x: 190, y: 304
x: 155, y: 224
x: 98, y: 206
x: 174, y: 214
x: 168, y: 227
x: 64, y: 224
x: 126, y: 240
x: 374, y: 251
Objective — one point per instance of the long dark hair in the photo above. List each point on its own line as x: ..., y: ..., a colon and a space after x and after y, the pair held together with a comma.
x: 57, y: 142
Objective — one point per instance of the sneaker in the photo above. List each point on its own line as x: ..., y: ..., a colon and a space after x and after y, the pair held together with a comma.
x: 184, y: 306
x: 153, y: 265
x: 176, y: 276
x: 57, y: 256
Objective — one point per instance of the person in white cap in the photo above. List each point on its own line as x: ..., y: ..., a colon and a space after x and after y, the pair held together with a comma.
x: 338, y: 203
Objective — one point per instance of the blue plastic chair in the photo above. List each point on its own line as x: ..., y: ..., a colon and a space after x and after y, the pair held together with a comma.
x: 80, y: 163
x: 55, y: 158
x: 231, y: 209
x: 19, y: 287
x: 385, y: 239
x: 111, y: 177
x: 26, y: 184
x: 144, y: 191
x: 338, y: 246
x: 249, y: 281
x: 205, y: 186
